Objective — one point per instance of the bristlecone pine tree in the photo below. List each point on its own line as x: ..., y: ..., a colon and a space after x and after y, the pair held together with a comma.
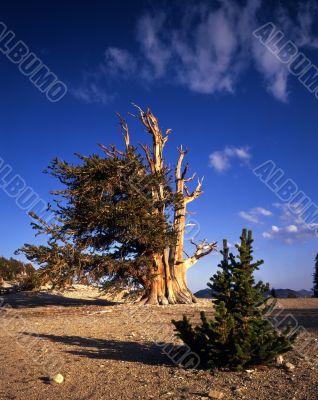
x: 11, y: 269
x: 315, y: 288
x: 240, y: 335
x: 119, y: 220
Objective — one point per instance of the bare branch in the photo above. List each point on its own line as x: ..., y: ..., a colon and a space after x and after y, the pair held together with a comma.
x: 190, y: 178
x: 196, y: 193
x: 182, y: 153
x: 168, y: 131
x: 146, y: 149
x: 159, y: 140
x: 111, y: 151
x: 125, y: 129
x: 187, y: 191
x: 202, y: 249
x: 184, y: 173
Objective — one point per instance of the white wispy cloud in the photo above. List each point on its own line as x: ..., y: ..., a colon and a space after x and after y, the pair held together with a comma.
x: 275, y: 74
x: 94, y: 88
x: 119, y: 62
x: 221, y: 160
x: 254, y: 214
x: 92, y: 93
x: 154, y: 46
x: 206, y: 49
x: 292, y: 227
x: 300, y: 28
x: 290, y: 214
x: 291, y: 233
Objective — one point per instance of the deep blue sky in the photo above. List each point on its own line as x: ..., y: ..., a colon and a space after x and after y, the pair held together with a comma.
x: 205, y: 76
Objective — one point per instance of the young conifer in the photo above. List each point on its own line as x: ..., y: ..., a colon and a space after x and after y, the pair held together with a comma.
x: 240, y: 335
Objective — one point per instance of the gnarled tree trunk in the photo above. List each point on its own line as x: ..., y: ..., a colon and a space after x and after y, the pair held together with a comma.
x: 169, y: 283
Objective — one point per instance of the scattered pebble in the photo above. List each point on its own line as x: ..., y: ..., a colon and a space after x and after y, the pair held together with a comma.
x: 289, y: 366
x: 58, y: 378
x: 279, y: 360
x: 214, y: 394
x: 249, y: 371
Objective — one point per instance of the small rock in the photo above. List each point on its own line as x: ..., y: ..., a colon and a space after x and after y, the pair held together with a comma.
x: 289, y: 366
x: 58, y: 378
x: 214, y: 394
x: 238, y: 389
x: 279, y: 360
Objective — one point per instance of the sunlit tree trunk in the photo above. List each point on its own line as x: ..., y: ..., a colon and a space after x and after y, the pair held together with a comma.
x: 169, y: 283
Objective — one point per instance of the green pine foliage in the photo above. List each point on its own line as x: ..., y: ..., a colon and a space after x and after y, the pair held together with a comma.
x: 240, y: 335
x: 107, y: 225
x: 315, y: 288
x: 12, y: 269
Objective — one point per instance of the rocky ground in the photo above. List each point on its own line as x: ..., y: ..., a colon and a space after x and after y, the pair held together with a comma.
x: 116, y: 351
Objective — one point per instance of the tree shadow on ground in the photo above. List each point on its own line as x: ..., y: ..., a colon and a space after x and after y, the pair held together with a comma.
x: 305, y: 317
x: 147, y: 353
x: 31, y: 300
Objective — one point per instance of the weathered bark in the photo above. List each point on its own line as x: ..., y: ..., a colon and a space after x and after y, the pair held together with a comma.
x: 169, y: 282
x: 168, y: 285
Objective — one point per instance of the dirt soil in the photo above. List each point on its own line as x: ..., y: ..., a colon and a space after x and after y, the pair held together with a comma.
x: 118, y: 351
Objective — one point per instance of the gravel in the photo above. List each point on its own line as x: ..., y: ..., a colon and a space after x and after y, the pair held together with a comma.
x: 118, y: 351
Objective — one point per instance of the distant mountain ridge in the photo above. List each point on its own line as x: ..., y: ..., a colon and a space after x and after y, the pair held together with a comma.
x: 284, y: 293
x: 280, y: 293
